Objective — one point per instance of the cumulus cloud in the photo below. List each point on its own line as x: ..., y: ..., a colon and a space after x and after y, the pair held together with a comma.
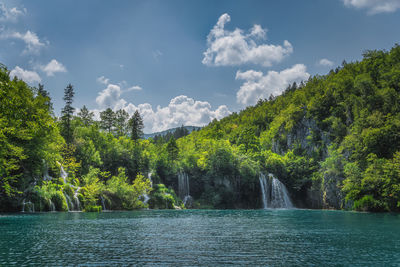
x: 31, y: 40
x: 29, y: 77
x: 374, y: 6
x: 325, y: 62
x: 10, y: 14
x: 259, y: 86
x: 110, y: 97
x: 181, y: 110
x: 232, y: 48
x: 52, y: 67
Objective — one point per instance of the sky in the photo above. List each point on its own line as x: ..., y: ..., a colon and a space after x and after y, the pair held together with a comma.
x: 185, y: 62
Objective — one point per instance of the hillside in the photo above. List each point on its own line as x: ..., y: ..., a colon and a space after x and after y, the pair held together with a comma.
x: 333, y: 141
x: 184, y: 129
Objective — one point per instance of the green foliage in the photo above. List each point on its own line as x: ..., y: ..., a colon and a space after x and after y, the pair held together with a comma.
x: 163, y: 198
x: 136, y: 126
x: 67, y: 113
x: 125, y: 195
x: 92, y: 188
x: 107, y: 118
x: 93, y: 209
x: 333, y: 141
x: 86, y: 116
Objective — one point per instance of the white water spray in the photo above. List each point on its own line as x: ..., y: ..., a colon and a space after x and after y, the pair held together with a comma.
x: 274, y: 193
x: 184, y: 188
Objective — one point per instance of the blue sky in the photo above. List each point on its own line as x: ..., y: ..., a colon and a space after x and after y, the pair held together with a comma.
x: 185, y: 62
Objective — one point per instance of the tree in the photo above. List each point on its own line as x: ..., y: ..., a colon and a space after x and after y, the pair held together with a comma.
x: 107, y: 119
x: 67, y: 113
x: 121, y: 122
x: 136, y: 126
x: 172, y: 149
x: 86, y: 116
x: 43, y: 93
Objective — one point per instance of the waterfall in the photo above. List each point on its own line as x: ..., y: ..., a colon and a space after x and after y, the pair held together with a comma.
x: 103, y: 204
x: 76, y: 199
x: 52, y: 206
x: 183, y: 186
x: 264, y: 190
x: 73, y: 205
x: 64, y: 174
x: 28, y: 205
x: 274, y: 193
x: 70, y: 204
x: 46, y: 176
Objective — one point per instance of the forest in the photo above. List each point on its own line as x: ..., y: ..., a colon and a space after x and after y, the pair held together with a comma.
x: 333, y: 141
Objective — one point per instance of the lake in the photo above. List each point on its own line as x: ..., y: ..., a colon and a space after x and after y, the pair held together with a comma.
x: 201, y: 237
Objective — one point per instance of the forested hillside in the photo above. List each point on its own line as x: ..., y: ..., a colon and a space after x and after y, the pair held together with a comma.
x: 334, y: 141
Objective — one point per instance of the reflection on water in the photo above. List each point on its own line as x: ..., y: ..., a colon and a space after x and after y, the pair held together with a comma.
x: 198, y: 237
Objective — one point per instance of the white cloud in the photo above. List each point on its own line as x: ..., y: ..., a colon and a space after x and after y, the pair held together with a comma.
x: 31, y: 40
x: 259, y: 86
x: 374, y: 6
x: 230, y: 48
x: 52, y: 67
x: 325, y: 62
x: 11, y: 14
x: 103, y: 80
x: 181, y: 110
x: 25, y: 75
x: 110, y: 97
x: 134, y: 88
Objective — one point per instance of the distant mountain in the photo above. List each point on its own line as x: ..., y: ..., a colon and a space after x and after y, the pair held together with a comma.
x: 163, y: 133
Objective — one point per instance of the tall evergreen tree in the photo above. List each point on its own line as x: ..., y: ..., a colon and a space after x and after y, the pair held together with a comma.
x: 43, y: 93
x: 86, y: 116
x: 107, y: 119
x: 121, y: 122
x: 67, y: 113
x: 136, y: 126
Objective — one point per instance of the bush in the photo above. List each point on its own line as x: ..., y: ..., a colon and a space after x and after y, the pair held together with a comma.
x: 93, y: 208
x: 368, y: 203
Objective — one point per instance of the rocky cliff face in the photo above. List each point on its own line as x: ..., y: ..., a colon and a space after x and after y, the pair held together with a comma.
x: 307, y: 135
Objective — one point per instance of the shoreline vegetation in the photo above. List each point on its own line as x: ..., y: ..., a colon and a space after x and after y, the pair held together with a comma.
x: 331, y: 142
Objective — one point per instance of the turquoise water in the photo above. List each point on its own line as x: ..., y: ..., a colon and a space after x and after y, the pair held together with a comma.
x: 199, y: 237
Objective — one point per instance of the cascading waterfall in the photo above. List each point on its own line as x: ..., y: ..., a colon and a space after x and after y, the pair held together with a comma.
x: 70, y: 204
x: 46, y: 176
x: 103, y: 204
x: 52, y: 206
x: 28, y: 206
x: 183, y: 183
x: 64, y: 174
x: 274, y: 193
x: 76, y: 199
x: 264, y: 190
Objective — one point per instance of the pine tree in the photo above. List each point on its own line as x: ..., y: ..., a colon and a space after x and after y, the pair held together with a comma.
x: 43, y: 93
x: 86, y: 116
x: 136, y: 126
x: 121, y: 122
x: 67, y: 113
x: 107, y: 119
x: 172, y: 149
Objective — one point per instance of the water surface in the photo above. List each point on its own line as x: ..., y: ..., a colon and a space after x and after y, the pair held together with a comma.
x: 201, y: 237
